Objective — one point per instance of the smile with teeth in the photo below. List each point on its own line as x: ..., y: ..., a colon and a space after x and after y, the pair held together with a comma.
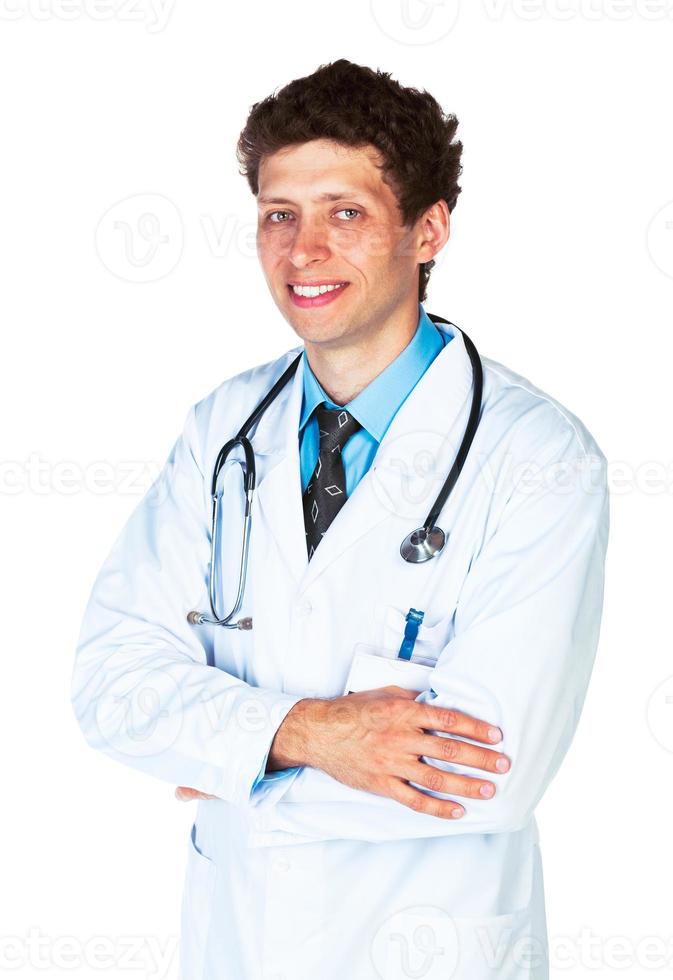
x: 316, y: 290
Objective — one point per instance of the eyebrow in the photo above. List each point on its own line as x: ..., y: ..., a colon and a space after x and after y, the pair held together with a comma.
x: 326, y: 196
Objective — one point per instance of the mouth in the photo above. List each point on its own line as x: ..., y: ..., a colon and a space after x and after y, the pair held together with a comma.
x: 320, y: 293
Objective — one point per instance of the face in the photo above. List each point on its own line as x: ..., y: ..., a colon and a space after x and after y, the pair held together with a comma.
x: 326, y: 218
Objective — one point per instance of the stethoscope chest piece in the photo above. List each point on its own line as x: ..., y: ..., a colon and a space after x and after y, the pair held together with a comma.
x: 422, y: 544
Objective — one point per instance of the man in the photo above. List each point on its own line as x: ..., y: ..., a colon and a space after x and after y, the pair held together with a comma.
x: 387, y: 832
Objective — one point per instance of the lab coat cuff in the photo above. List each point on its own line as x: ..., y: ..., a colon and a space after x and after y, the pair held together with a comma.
x: 260, y: 714
x: 269, y: 788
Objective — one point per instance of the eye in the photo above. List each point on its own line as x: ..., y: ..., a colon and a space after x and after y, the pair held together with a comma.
x: 270, y: 217
x: 352, y: 210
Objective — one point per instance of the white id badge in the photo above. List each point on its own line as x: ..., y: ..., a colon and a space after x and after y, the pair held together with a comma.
x: 372, y: 667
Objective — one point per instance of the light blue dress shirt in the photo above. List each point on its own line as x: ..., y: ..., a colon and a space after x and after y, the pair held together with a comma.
x: 374, y: 408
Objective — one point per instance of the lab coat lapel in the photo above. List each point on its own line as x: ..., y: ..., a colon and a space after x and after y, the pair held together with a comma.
x: 413, y: 459
x: 278, y: 495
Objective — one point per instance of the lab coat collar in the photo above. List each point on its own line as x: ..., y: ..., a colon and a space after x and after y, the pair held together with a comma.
x: 407, y: 472
x: 375, y: 406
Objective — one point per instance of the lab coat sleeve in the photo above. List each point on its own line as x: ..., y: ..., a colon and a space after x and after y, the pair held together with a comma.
x: 143, y: 690
x: 526, y: 632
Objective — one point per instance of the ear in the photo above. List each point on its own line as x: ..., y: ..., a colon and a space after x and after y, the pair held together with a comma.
x: 434, y: 230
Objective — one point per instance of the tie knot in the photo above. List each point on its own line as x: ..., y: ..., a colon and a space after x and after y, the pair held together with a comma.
x: 336, y: 426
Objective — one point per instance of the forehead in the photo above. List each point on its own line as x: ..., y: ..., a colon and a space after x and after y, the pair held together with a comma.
x: 321, y: 167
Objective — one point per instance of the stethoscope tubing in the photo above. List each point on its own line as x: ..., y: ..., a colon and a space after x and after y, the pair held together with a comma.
x: 470, y: 429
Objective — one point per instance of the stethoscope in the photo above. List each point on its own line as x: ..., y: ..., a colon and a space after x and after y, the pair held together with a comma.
x: 421, y: 545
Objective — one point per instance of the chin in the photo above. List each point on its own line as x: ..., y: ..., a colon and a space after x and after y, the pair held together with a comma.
x: 315, y: 333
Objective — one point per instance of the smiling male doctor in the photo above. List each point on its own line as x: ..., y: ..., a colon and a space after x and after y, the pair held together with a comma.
x: 387, y: 833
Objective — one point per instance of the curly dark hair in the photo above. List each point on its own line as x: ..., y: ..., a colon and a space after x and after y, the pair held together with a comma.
x: 355, y: 105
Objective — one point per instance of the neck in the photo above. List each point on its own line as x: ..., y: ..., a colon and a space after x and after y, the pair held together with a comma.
x: 344, y: 369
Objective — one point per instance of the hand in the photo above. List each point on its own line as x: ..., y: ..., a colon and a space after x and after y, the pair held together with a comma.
x: 374, y: 740
x: 186, y: 793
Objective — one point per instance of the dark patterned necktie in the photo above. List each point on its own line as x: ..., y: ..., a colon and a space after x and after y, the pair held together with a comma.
x: 325, y: 493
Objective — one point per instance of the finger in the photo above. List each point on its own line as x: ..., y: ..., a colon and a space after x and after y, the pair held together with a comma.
x: 186, y: 793
x: 438, y: 781
x: 457, y: 722
x: 461, y: 753
x: 420, y: 802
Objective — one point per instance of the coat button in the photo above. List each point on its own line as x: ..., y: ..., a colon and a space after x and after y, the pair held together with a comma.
x: 281, y: 864
x: 303, y: 607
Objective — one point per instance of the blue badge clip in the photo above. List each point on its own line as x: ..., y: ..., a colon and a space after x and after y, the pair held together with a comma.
x: 413, y: 619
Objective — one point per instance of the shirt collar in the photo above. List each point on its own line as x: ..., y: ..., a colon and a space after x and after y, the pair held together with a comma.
x: 375, y: 406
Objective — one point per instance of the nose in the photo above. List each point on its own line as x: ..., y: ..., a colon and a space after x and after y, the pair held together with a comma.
x: 308, y: 244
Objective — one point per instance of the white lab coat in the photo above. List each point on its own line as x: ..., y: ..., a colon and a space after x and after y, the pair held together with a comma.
x: 306, y: 878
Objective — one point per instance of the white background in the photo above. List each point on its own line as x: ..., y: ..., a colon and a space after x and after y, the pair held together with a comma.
x: 560, y: 265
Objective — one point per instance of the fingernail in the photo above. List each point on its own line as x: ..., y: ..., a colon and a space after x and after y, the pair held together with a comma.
x: 458, y: 812
x: 494, y: 734
x: 486, y: 789
x: 502, y: 765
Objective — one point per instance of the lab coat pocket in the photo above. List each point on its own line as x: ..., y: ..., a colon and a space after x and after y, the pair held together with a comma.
x: 390, y: 622
x: 372, y: 668
x: 428, y: 942
x: 503, y: 946
x: 197, y: 910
